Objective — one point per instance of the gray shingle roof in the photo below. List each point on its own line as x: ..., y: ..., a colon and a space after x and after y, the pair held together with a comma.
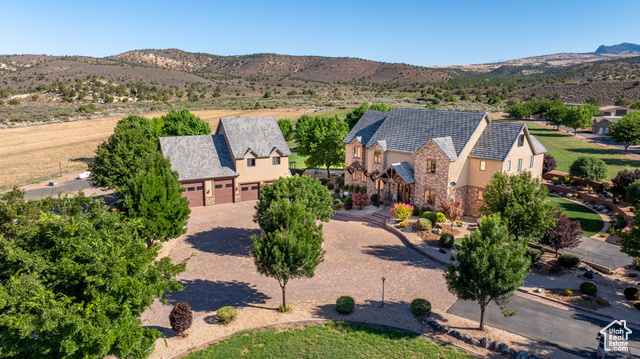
x: 404, y: 170
x: 366, y: 126
x: 537, y: 146
x: 447, y: 147
x: 496, y: 141
x: 259, y: 134
x: 198, y: 157
x: 408, y: 130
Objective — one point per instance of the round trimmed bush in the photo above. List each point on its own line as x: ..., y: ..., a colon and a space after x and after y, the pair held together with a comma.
x: 631, y: 293
x: 601, y: 302
x: 568, y: 293
x: 588, y: 288
x: 227, y: 314
x: 569, y: 260
x: 420, y: 307
x: 440, y: 217
x: 374, y: 198
x: 330, y: 185
x: 337, y: 205
x: 180, y: 317
x: 403, y: 224
x: 430, y: 216
x: 345, y: 304
x: 423, y: 224
x: 636, y: 305
x: 446, y: 240
x: 348, y: 203
x: 534, y: 254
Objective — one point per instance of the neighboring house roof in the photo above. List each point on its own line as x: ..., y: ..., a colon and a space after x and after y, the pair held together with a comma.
x: 612, y: 107
x: 198, y: 157
x: 498, y: 139
x: 260, y: 135
x: 598, y: 119
x: 409, y: 130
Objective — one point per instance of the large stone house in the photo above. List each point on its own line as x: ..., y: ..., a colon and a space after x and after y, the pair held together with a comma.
x: 244, y: 154
x: 423, y: 156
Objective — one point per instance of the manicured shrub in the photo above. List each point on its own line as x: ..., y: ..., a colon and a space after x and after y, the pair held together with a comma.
x: 534, y: 254
x: 459, y: 223
x: 420, y: 307
x: 424, y: 209
x: 601, y: 302
x: 631, y: 293
x: 345, y: 304
x: 423, y: 224
x: 446, y: 240
x: 374, y: 198
x: 440, y: 217
x: 452, y: 258
x: 337, y: 190
x: 282, y: 309
x: 337, y: 206
x: 636, y: 305
x: 181, y: 317
x: 588, y: 288
x: 430, y: 216
x: 340, y: 181
x: 568, y: 293
x: 360, y: 200
x: 565, y: 179
x: 402, y: 210
x: 416, y: 211
x: 330, y: 185
x: 403, y: 224
x: 227, y: 315
x: 324, y: 181
x: 569, y: 260
x: 348, y: 203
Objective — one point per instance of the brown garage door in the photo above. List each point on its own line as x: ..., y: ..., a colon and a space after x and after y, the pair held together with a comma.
x: 249, y: 191
x: 195, y: 193
x: 223, y: 191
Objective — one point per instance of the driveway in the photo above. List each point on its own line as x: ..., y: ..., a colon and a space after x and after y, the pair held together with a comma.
x: 357, y: 256
x: 567, y: 329
x: 600, y: 252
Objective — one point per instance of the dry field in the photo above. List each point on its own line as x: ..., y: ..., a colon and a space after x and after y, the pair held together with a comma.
x: 34, y: 154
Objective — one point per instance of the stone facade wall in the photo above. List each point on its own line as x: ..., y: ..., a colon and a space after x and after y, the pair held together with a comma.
x: 438, y: 181
x: 472, y: 203
x: 461, y: 192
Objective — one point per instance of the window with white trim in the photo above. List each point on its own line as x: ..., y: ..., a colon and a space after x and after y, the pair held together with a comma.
x: 509, y: 165
x: 483, y: 165
x: 431, y: 166
x: 519, y: 164
x: 531, y: 162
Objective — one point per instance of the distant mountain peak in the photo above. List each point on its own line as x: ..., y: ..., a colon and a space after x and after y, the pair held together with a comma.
x: 618, y: 49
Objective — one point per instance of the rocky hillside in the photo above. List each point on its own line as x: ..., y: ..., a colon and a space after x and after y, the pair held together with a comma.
x: 624, y: 47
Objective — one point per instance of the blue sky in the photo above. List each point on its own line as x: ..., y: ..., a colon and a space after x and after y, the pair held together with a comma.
x: 422, y: 33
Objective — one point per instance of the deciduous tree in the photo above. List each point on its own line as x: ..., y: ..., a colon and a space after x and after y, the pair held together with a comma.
x: 320, y: 138
x: 303, y: 190
x: 154, y: 197
x: 588, y: 168
x: 491, y: 266
x: 291, y: 247
x: 74, y: 283
x: 630, y: 240
x: 633, y: 193
x: 183, y: 123
x: 354, y: 116
x: 452, y: 209
x: 521, y: 201
x: 580, y: 117
x: 627, y: 130
x: 555, y: 115
x: 548, y: 164
x: 565, y: 234
x: 286, y: 128
x: 519, y: 111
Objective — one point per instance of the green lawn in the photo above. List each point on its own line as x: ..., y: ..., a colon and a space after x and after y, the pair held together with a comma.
x: 299, y: 160
x: 566, y: 149
x: 328, y: 341
x: 590, y: 221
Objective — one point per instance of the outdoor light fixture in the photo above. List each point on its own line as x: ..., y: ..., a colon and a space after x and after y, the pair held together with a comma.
x: 383, y: 279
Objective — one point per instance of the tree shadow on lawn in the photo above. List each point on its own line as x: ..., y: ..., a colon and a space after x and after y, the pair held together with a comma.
x: 224, y: 241
x: 400, y: 253
x: 209, y: 296
x: 621, y: 162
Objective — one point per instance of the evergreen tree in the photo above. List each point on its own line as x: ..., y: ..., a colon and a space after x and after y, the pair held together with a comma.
x: 154, y: 197
x: 491, y: 266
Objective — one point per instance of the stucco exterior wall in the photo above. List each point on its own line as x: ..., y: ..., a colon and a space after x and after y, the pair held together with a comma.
x: 478, y: 178
x: 264, y: 170
x: 459, y: 169
x: 392, y: 157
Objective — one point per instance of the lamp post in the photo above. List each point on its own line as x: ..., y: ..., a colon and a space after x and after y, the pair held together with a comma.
x: 383, y: 279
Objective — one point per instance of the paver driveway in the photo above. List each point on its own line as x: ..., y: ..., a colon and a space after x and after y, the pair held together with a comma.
x: 357, y: 256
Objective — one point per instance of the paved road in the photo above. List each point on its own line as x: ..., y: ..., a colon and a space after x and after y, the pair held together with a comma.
x: 600, y: 252
x: 569, y: 330
x: 71, y: 186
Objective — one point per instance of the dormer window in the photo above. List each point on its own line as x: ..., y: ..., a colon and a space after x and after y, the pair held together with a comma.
x: 521, y: 141
x: 377, y: 157
x: 276, y: 161
x: 356, y: 151
x: 251, y: 162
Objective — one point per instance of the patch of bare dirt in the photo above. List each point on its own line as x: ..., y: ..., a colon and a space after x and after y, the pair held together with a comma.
x: 582, y: 300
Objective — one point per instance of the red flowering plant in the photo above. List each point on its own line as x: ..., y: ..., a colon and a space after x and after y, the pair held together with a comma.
x: 402, y: 210
x: 360, y: 200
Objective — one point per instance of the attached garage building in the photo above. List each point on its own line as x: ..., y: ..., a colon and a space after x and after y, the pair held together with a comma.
x: 231, y: 166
